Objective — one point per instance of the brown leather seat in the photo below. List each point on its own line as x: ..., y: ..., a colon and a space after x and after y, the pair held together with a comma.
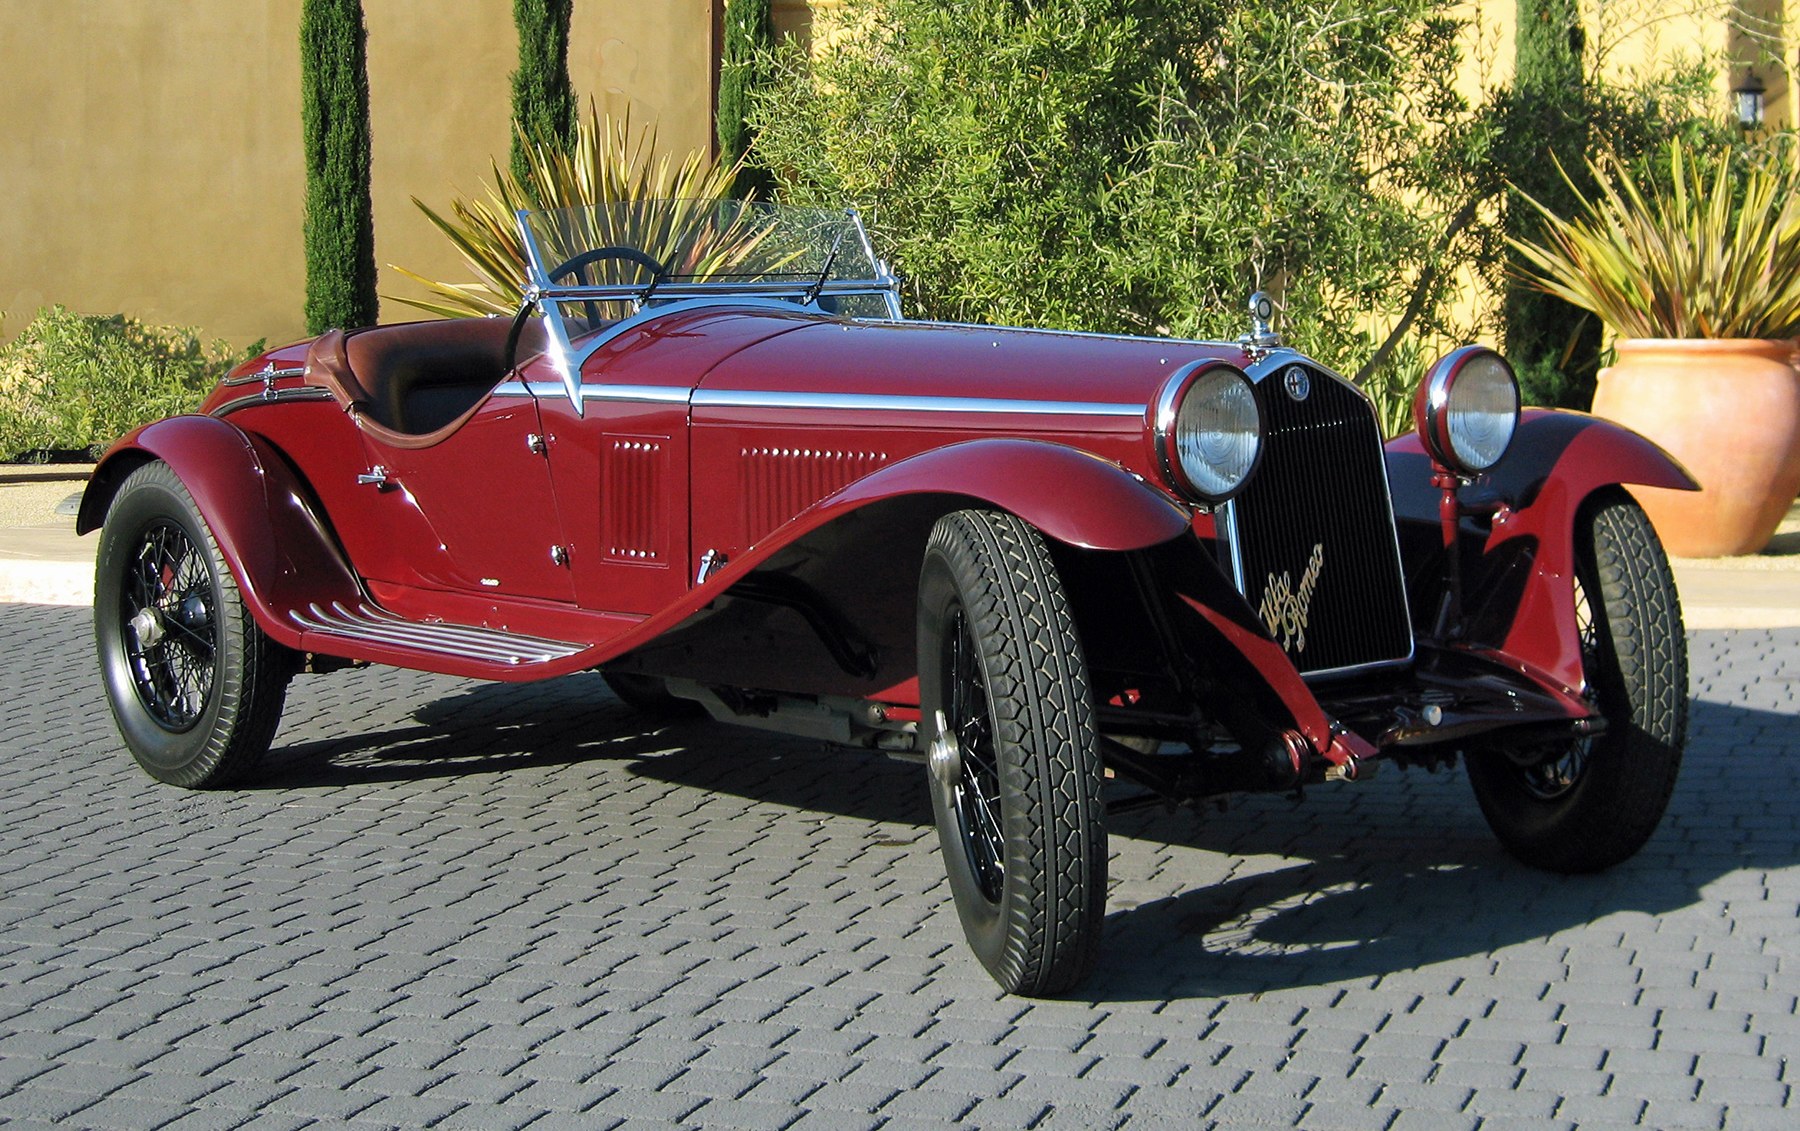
x: 408, y: 383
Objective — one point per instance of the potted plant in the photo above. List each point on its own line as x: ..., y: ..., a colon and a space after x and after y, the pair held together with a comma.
x: 1698, y: 281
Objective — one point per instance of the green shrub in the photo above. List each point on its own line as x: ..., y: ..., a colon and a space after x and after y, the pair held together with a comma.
x: 543, y: 99
x: 1138, y: 166
x: 75, y: 382
x: 1141, y: 166
x: 743, y: 67
x: 339, y: 230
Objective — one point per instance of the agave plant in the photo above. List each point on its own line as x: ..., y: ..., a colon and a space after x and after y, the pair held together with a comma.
x: 1714, y: 254
x: 622, y: 192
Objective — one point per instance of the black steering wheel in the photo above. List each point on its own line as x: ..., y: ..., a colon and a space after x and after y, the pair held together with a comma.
x: 578, y: 265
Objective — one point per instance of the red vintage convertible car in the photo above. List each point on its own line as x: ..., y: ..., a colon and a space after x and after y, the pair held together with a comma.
x: 1068, y: 573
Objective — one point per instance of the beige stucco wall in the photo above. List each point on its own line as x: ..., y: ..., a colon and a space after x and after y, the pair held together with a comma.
x: 441, y: 118
x: 150, y: 162
x: 1632, y: 37
x: 150, y: 150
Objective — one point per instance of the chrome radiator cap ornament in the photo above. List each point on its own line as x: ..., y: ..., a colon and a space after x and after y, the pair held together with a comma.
x: 1262, y: 335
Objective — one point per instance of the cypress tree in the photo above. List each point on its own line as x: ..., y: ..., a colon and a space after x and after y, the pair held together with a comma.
x: 543, y: 100
x: 1555, y: 346
x: 334, y: 113
x: 749, y: 34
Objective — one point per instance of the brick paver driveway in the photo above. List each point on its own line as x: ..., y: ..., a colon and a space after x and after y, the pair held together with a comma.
x: 463, y: 905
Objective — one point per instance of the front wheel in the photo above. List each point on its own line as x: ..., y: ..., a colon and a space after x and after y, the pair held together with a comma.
x: 195, y: 685
x: 1014, y: 760
x: 1589, y: 803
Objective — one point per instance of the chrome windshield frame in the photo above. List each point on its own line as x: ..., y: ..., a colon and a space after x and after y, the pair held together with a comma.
x: 801, y: 292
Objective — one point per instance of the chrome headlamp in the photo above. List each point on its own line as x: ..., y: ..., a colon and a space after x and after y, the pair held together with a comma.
x: 1467, y: 409
x: 1208, y: 431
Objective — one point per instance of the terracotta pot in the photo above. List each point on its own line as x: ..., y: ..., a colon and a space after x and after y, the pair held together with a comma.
x: 1729, y: 410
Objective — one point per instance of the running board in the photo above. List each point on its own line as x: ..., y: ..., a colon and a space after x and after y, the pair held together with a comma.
x: 365, y: 622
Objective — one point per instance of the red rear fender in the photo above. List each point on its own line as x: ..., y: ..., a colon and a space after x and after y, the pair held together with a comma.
x: 278, y: 550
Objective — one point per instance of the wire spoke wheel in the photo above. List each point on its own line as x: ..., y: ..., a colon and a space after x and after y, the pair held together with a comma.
x: 171, y: 636
x: 194, y: 684
x: 1588, y: 803
x: 977, y: 790
x: 1560, y: 768
x: 1013, y: 755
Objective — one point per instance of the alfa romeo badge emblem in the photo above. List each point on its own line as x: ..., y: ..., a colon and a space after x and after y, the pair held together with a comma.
x: 1286, y: 606
x: 1297, y: 383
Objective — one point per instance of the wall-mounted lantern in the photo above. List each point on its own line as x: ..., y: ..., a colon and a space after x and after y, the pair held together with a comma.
x: 1748, y: 97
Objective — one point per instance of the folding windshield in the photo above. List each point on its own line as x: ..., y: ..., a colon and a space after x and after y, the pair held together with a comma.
x: 592, y: 267
x: 640, y: 250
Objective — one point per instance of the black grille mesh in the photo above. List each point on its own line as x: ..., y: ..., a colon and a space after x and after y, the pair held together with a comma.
x: 1316, y: 530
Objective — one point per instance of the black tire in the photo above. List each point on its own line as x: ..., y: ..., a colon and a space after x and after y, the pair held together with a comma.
x: 1019, y: 811
x: 194, y: 684
x: 1584, y: 805
x: 649, y: 695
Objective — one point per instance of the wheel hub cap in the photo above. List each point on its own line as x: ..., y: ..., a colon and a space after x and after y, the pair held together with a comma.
x: 147, y: 626
x: 945, y: 756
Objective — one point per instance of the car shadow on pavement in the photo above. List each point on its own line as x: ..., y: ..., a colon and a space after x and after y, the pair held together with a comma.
x: 491, y: 728
x: 1344, y: 895
x: 499, y: 728
x: 1354, y: 882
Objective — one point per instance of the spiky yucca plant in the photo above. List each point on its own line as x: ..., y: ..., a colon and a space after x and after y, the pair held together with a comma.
x: 608, y: 166
x: 1700, y: 258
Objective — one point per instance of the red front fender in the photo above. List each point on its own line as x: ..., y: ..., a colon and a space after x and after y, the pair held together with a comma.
x: 279, y: 552
x: 1557, y: 460
x: 1070, y: 495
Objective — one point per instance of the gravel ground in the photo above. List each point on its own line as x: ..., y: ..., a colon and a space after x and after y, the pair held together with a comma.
x: 34, y: 504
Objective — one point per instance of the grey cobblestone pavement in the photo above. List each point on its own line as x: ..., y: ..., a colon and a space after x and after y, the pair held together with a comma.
x: 462, y: 905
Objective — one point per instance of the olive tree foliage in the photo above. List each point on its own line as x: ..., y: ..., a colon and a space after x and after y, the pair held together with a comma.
x: 1139, y: 166
x: 339, y: 231
x: 543, y: 99
x: 1142, y: 166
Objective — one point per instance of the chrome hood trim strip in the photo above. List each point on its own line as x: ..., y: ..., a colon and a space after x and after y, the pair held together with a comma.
x: 877, y: 402
x: 634, y: 394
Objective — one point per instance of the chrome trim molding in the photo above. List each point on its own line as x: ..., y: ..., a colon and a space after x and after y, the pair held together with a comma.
x: 266, y: 374
x: 279, y: 396
x: 1225, y: 525
x: 527, y: 389
x: 368, y: 623
x: 863, y: 402
x: 642, y: 394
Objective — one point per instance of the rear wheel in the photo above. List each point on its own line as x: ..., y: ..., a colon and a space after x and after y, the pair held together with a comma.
x: 195, y: 685
x: 1587, y: 804
x: 1014, y: 762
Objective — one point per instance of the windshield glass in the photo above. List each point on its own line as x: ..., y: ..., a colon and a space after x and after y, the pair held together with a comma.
x: 592, y: 268
x: 639, y: 251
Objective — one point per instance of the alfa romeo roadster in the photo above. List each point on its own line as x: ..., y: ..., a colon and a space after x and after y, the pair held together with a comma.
x: 1067, y: 573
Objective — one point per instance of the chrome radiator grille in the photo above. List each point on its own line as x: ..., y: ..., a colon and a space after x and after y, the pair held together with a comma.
x: 1315, y: 529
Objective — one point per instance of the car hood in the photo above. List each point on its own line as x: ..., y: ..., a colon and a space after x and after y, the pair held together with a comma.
x: 937, y: 364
